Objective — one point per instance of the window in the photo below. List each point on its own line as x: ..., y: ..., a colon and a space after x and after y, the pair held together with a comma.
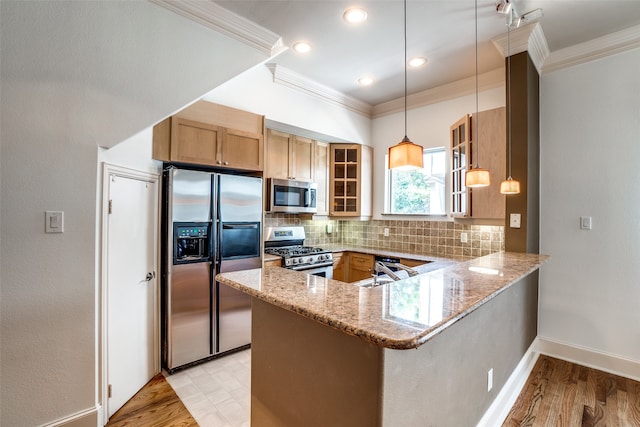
x: 418, y: 191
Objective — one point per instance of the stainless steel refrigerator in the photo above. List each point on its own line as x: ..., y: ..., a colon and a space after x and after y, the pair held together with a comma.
x: 213, y: 223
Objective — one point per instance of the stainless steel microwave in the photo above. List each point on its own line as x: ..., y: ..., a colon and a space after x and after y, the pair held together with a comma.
x: 290, y: 196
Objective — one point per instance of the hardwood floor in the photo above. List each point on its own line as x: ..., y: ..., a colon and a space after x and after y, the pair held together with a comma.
x: 557, y: 393
x: 156, y: 405
x: 560, y: 393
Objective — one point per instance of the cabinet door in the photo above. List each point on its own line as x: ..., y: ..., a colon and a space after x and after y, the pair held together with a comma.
x: 460, y: 159
x: 302, y: 157
x: 321, y: 177
x: 273, y: 263
x: 277, y: 164
x: 487, y: 202
x: 338, y: 266
x: 360, y: 266
x: 345, y: 180
x: 195, y: 142
x: 242, y: 150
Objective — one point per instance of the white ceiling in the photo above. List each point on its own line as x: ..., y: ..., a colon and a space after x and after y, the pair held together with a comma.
x: 441, y: 30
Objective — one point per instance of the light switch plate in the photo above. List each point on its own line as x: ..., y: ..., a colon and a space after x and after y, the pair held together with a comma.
x: 514, y: 220
x: 585, y: 222
x: 53, y: 221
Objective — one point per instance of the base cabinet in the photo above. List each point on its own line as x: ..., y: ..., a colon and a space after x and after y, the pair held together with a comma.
x: 338, y: 266
x: 273, y: 263
x: 360, y: 266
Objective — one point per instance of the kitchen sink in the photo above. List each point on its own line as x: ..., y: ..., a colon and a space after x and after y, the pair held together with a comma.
x: 374, y: 282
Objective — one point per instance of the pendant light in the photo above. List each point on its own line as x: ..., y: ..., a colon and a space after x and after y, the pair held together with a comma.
x: 510, y: 185
x: 476, y: 176
x: 405, y: 155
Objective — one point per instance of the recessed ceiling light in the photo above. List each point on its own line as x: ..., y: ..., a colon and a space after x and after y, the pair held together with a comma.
x: 301, y: 47
x: 417, y: 61
x: 365, y: 81
x: 354, y: 15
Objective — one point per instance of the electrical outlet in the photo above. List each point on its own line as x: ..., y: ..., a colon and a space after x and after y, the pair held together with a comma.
x: 386, y: 232
x: 463, y: 237
x: 490, y: 379
x: 514, y: 220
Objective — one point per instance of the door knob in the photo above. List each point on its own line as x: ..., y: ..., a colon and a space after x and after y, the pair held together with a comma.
x: 150, y: 275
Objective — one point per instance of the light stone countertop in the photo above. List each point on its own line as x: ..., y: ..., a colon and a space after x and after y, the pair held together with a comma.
x: 399, y: 315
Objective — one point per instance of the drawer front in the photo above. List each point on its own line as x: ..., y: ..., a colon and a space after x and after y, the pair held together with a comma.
x: 361, y: 262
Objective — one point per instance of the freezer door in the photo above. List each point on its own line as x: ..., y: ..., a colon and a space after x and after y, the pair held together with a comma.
x: 191, y: 196
x: 234, y: 308
x: 189, y: 322
x: 240, y: 198
x: 234, y: 318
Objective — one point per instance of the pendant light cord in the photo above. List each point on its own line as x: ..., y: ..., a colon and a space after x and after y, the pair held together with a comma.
x: 477, y: 135
x: 509, y: 88
x: 405, y: 71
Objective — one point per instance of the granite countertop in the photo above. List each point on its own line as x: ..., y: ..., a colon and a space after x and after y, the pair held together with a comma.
x: 399, y: 315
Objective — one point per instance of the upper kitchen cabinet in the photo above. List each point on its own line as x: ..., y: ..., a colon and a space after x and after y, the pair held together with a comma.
x: 321, y: 177
x: 289, y: 156
x: 484, y: 202
x: 351, y: 179
x: 213, y: 135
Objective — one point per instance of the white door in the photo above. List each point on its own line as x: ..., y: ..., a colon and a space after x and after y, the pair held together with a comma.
x: 131, y: 286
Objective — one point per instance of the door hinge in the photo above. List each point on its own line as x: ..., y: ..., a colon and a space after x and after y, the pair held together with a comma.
x: 110, y: 206
x: 109, y: 391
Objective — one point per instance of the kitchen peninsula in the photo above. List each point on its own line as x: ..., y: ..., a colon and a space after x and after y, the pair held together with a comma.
x: 412, y: 352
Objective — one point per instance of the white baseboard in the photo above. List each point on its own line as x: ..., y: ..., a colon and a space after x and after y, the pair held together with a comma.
x: 85, y: 418
x: 503, y: 402
x: 590, y: 358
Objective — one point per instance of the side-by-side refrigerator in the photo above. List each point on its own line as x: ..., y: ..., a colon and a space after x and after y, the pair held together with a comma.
x: 213, y: 223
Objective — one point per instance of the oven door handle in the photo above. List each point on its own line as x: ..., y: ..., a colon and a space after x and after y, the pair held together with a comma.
x: 310, y: 266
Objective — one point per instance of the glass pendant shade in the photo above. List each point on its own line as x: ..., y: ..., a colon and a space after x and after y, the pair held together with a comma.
x: 405, y: 155
x: 510, y: 186
x: 477, y: 177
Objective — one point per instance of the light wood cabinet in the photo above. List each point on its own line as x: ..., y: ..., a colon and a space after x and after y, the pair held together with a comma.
x: 460, y: 160
x: 360, y: 266
x: 212, y: 135
x: 351, y: 178
x: 321, y: 177
x: 484, y: 202
x: 289, y: 156
x: 411, y: 262
x: 338, y: 266
x: 273, y: 263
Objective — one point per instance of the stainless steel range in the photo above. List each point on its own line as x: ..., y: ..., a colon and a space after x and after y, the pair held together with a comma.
x: 288, y: 242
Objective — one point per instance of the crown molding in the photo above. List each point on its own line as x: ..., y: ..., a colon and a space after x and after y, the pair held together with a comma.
x: 217, y: 18
x: 486, y: 81
x: 305, y: 85
x: 601, y: 47
x: 529, y: 38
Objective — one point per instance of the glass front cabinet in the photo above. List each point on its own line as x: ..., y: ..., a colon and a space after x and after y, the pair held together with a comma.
x: 351, y: 178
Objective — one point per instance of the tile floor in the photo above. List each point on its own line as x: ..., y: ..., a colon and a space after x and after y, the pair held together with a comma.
x: 217, y: 393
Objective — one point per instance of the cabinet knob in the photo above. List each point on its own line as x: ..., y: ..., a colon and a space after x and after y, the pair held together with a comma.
x: 219, y: 162
x: 226, y: 163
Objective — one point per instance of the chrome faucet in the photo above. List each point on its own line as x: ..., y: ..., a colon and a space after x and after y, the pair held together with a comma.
x: 383, y: 267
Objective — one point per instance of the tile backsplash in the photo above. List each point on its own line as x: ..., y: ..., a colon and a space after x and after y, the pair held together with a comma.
x: 419, y: 237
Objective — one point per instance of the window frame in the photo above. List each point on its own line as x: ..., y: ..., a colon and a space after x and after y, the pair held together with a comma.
x: 388, y: 189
